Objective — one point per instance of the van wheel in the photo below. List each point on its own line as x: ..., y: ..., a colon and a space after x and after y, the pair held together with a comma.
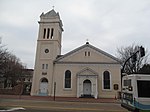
x: 136, y: 110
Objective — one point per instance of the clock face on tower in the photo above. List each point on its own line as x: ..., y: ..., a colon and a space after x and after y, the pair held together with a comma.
x: 46, y: 51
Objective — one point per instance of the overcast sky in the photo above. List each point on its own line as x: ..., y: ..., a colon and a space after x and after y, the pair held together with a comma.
x: 107, y: 24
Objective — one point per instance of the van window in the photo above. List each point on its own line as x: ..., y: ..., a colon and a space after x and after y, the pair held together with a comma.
x: 143, y: 87
x: 127, y: 82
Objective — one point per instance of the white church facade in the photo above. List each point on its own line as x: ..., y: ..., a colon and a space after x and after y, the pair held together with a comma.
x: 86, y: 71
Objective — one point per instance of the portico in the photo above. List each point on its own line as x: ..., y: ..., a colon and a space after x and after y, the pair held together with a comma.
x: 87, y: 83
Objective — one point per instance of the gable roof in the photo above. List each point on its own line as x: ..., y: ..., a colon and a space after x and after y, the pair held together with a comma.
x: 84, y: 46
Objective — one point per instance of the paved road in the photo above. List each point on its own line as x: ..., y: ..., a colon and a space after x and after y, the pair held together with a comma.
x: 54, y: 106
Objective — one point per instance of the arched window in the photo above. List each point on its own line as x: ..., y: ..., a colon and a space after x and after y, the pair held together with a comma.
x: 48, y: 30
x: 68, y: 79
x: 44, y: 33
x: 106, y: 80
x: 52, y: 33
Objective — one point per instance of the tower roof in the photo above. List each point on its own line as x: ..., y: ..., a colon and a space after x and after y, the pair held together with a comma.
x: 51, y: 17
x: 51, y: 13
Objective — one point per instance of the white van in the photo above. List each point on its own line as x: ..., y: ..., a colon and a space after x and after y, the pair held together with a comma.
x: 136, y: 92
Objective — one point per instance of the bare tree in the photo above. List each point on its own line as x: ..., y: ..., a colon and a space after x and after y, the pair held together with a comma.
x: 4, y: 54
x: 10, y: 67
x: 135, y: 63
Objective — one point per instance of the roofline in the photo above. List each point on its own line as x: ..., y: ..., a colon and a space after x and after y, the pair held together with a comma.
x: 89, y: 45
x: 70, y: 62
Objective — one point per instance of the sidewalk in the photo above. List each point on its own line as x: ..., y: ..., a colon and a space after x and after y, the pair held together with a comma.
x: 68, y: 99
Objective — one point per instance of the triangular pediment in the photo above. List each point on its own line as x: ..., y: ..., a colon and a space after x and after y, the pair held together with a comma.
x: 87, y: 71
x: 87, y: 54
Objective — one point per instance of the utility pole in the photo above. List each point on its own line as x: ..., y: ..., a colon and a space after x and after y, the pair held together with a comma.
x: 54, y: 90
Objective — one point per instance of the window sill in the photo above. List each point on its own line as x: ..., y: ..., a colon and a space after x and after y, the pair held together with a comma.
x: 108, y: 90
x: 67, y: 89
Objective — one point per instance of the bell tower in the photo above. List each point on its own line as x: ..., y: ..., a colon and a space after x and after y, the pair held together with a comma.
x: 48, y: 48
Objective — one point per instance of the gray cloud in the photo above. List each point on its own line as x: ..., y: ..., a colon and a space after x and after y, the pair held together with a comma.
x: 107, y: 24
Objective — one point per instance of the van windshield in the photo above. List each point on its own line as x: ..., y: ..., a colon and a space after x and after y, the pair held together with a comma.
x: 143, y: 87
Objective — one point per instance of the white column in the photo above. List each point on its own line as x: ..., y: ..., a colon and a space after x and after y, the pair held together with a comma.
x: 78, y: 87
x: 96, y: 92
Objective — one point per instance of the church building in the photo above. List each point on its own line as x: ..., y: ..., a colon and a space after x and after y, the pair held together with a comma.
x: 86, y: 71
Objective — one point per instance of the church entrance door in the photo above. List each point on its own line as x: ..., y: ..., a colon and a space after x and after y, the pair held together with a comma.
x: 87, y: 88
x: 43, y: 87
